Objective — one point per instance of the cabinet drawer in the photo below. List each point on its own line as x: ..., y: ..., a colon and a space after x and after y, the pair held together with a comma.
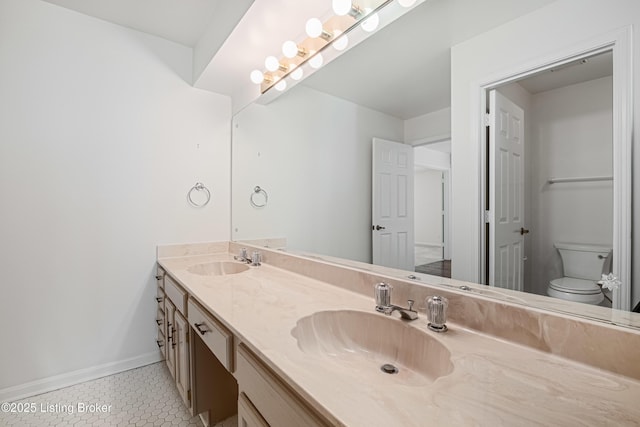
x: 176, y: 294
x: 272, y: 398
x: 162, y: 342
x: 248, y: 415
x: 160, y: 273
x: 160, y: 298
x: 218, y: 338
x: 160, y: 318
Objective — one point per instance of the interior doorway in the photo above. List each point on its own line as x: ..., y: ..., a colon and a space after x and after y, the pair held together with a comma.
x: 548, y: 192
x: 432, y: 189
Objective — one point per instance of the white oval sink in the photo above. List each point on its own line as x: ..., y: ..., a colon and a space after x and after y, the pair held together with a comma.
x: 370, y: 340
x: 218, y: 268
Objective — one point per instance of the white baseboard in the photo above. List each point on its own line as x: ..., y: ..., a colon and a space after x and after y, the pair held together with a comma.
x: 428, y: 245
x: 56, y: 382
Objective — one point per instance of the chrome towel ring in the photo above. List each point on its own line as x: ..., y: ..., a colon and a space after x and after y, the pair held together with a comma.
x: 252, y: 200
x: 199, y: 187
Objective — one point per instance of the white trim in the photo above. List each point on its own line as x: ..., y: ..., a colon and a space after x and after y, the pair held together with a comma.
x: 620, y: 42
x: 431, y: 140
x: 56, y: 382
x: 428, y: 245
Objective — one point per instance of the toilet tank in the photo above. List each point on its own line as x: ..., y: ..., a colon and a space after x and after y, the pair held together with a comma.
x: 584, y: 261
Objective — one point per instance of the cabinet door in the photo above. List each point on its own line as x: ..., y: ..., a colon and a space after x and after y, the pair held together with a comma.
x: 181, y: 340
x: 248, y: 415
x: 170, y: 347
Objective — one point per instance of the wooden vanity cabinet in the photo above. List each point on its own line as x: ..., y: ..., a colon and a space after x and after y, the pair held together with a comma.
x: 248, y: 415
x: 266, y: 400
x: 215, y: 376
x: 177, y: 355
x: 161, y: 338
x: 202, y: 380
x: 181, y: 347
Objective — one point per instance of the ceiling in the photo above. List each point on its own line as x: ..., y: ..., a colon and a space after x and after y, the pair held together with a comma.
x: 402, y: 70
x: 180, y: 21
x: 575, y: 72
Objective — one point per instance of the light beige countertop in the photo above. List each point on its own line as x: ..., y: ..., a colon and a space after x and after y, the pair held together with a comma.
x: 493, y: 381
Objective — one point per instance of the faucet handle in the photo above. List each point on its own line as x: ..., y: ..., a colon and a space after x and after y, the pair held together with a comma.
x: 383, y: 295
x: 256, y: 259
x: 410, y: 302
x: 243, y: 255
x: 437, y: 312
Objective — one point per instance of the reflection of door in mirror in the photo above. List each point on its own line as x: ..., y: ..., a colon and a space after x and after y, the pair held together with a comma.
x: 392, y: 204
x: 567, y: 173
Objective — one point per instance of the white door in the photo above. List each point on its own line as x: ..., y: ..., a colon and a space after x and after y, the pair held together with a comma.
x: 392, y: 197
x: 506, y: 190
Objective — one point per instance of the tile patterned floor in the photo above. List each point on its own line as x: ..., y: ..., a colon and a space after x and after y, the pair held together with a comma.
x: 145, y: 396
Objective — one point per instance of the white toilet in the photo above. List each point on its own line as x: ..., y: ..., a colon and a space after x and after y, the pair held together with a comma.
x: 583, y: 266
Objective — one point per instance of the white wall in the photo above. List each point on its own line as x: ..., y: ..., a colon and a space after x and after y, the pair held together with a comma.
x: 428, y: 207
x: 571, y: 136
x: 312, y: 153
x: 430, y: 125
x: 521, y: 41
x: 100, y: 139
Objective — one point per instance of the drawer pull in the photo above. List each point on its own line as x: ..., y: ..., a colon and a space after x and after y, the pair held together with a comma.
x: 159, y: 299
x: 160, y: 343
x: 159, y: 321
x: 158, y: 277
x: 199, y: 328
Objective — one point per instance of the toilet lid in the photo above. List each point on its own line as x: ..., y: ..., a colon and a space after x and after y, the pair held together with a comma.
x: 576, y: 286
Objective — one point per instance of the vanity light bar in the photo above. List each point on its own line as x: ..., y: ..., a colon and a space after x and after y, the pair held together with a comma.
x: 308, y: 50
x: 320, y: 34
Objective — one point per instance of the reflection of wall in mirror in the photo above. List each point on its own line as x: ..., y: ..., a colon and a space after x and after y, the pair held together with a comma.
x: 512, y: 45
x: 315, y: 160
x: 428, y: 213
x: 571, y: 137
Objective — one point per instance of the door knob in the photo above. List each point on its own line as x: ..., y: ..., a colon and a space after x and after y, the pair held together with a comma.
x: 523, y: 231
x: 377, y: 227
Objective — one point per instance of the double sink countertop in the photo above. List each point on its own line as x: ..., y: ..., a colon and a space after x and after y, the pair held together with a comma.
x: 469, y: 378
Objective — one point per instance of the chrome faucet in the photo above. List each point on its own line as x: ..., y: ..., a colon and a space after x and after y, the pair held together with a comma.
x: 383, y: 303
x: 255, y: 260
x: 243, y: 255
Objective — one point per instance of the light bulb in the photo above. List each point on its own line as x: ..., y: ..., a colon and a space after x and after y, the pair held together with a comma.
x: 341, y: 7
x: 313, y: 27
x: 289, y: 49
x: 297, y: 72
x: 316, y: 61
x: 257, y: 77
x: 406, y: 3
x: 340, y: 42
x: 281, y: 85
x: 371, y: 23
x: 271, y: 63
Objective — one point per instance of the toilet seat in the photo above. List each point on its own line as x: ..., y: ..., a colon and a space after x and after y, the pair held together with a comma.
x: 579, y: 290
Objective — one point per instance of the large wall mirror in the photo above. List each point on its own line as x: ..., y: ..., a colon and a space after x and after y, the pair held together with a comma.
x: 304, y: 165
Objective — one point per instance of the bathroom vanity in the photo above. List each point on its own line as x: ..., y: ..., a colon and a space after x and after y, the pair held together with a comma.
x: 297, y: 341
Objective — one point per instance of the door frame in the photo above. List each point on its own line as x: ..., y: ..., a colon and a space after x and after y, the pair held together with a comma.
x: 620, y: 43
x: 446, y: 235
